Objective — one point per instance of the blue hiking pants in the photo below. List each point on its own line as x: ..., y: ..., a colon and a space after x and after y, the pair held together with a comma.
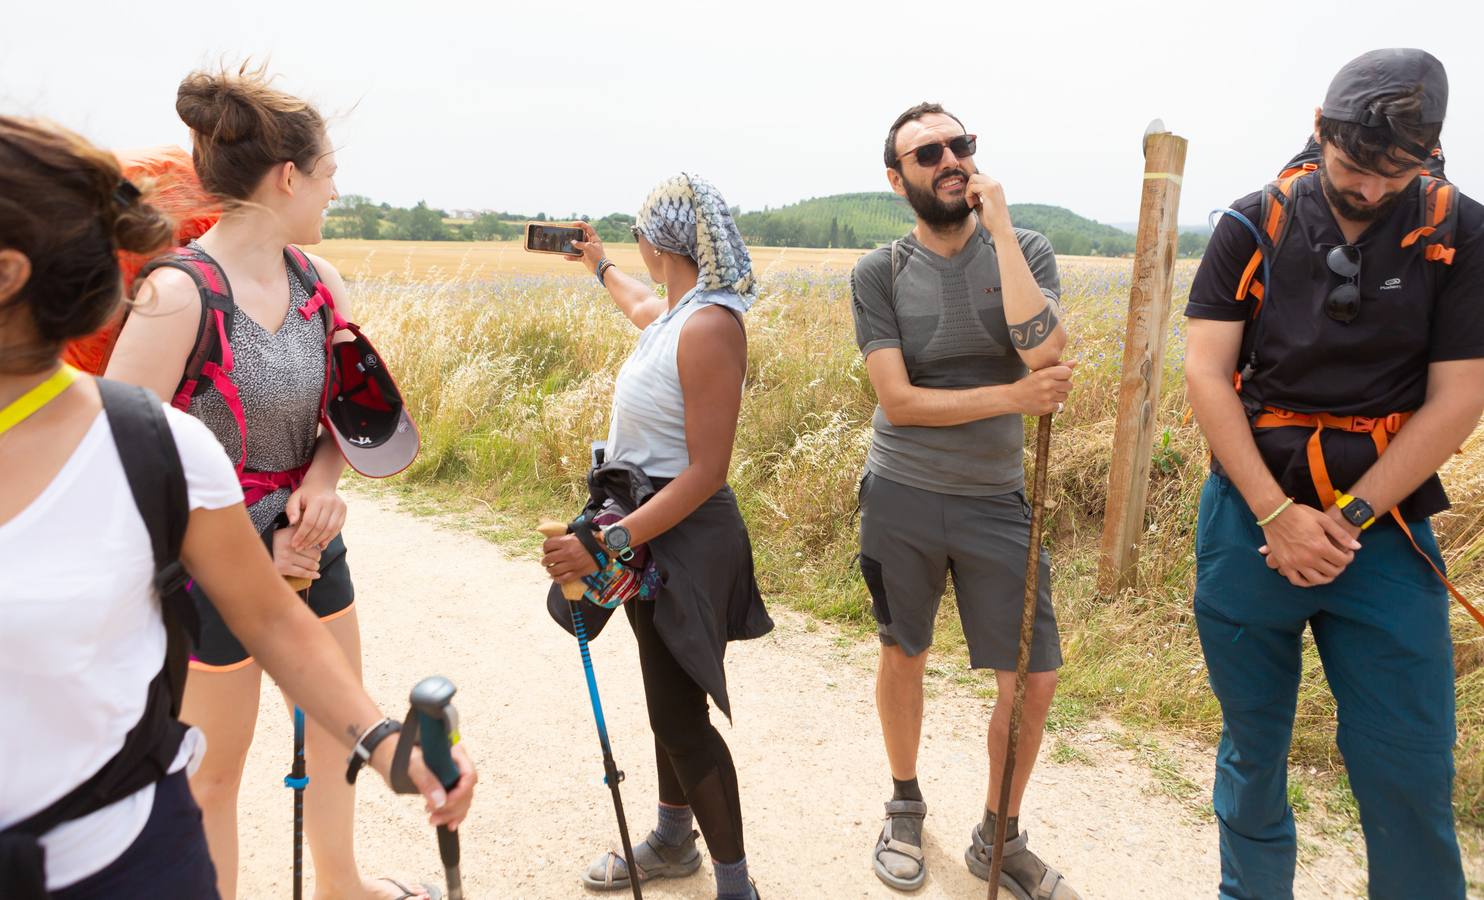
x: 1382, y: 633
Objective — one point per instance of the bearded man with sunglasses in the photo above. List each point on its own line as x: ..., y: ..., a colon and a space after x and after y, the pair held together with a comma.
x: 961, y: 332
x: 1360, y: 374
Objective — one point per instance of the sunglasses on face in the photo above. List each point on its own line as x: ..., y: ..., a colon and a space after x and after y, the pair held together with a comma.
x: 1343, y: 301
x: 634, y: 230
x: 928, y: 155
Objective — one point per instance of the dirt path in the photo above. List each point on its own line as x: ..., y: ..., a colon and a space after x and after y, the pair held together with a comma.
x: 438, y: 601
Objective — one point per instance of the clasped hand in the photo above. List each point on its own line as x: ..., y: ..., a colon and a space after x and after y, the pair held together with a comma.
x: 1309, y: 547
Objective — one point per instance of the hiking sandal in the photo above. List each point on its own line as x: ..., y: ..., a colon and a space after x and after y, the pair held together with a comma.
x: 1052, y: 885
x: 898, y: 863
x: 652, y: 857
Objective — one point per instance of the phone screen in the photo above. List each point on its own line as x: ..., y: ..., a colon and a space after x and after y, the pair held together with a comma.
x: 551, y: 238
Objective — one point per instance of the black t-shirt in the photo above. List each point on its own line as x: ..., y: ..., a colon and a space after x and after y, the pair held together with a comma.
x: 1413, y: 313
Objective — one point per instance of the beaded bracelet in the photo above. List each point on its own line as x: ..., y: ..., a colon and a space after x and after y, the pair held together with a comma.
x: 1263, y: 523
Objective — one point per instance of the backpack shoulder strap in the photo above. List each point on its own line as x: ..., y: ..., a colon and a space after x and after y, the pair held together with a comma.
x: 156, y: 478
x: 302, y: 267
x: 1439, y: 223
x: 1274, y: 221
x: 214, y: 331
x: 322, y: 302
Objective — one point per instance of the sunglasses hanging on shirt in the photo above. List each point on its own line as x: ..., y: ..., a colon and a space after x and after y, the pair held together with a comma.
x: 1343, y: 301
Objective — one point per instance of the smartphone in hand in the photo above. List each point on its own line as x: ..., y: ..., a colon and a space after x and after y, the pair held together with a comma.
x: 543, y: 238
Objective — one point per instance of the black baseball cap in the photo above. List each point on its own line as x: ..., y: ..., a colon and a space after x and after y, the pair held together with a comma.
x: 1386, y: 73
x: 365, y: 411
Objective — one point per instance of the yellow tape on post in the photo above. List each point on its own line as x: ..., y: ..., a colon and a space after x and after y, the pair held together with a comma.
x: 1171, y: 176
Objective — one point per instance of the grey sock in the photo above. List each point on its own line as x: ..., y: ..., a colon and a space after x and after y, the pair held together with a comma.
x: 986, y: 828
x: 731, y: 880
x: 674, y: 824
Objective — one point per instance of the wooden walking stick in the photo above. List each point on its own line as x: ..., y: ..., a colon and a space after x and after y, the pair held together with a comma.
x: 1023, y: 656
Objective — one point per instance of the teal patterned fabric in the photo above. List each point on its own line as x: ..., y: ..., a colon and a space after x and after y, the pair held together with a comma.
x: 687, y: 215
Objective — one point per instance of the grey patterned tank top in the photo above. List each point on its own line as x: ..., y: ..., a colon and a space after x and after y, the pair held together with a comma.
x: 280, y: 377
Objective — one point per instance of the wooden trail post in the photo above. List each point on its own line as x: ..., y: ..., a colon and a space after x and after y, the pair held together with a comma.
x: 1143, y: 358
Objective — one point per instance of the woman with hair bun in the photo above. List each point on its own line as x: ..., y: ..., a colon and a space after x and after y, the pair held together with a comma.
x: 265, y: 156
x: 94, y: 801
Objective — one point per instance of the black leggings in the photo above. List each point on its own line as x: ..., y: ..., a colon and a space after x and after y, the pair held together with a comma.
x: 694, y: 766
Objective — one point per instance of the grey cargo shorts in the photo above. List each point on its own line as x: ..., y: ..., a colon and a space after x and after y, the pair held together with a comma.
x: 912, y: 539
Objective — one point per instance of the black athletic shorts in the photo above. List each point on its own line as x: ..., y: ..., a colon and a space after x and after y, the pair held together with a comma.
x: 330, y: 597
x: 913, y: 539
x: 169, y: 859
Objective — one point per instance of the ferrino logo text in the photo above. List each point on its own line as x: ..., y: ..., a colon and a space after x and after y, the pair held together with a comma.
x: 1392, y: 284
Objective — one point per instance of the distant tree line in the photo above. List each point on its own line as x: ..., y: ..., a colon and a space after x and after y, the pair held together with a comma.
x: 861, y: 221
x: 357, y: 216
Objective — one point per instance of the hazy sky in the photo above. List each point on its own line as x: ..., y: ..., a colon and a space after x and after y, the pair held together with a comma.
x: 577, y: 107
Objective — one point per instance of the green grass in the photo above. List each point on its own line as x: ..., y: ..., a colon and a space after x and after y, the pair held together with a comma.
x: 510, y: 380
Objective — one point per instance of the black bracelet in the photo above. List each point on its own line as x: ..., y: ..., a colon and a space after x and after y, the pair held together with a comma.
x: 360, y: 755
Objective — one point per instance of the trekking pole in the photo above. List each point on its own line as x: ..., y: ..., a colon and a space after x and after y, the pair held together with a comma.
x: 1023, y: 656
x: 438, y: 729
x: 297, y: 780
x: 573, y: 591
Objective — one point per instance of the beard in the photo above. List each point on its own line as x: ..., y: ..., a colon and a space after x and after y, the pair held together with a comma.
x: 1353, y: 206
x: 935, y: 213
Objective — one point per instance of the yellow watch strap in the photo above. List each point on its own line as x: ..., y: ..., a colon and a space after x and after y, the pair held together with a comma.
x: 1343, y: 500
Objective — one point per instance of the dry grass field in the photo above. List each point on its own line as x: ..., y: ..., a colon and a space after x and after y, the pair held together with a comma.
x: 484, y: 260
x: 508, y: 359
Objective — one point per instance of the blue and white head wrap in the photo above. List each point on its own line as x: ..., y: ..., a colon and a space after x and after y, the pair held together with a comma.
x: 686, y: 215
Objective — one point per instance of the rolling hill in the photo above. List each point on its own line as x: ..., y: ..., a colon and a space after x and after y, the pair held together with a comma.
x: 873, y: 219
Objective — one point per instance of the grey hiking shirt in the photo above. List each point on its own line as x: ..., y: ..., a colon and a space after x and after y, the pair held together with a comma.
x: 948, y: 319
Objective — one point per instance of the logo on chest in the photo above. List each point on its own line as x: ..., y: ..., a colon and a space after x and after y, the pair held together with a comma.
x: 1392, y: 284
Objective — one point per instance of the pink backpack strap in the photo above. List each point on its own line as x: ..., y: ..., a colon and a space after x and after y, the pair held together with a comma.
x: 211, y: 362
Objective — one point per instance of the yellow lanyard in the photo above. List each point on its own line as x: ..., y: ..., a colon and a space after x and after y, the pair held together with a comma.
x: 37, y: 397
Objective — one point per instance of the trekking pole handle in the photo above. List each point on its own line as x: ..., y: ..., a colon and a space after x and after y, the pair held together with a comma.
x: 572, y: 590
x: 438, y: 726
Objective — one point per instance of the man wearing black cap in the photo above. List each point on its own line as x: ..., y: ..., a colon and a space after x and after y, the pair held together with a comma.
x: 1346, y: 298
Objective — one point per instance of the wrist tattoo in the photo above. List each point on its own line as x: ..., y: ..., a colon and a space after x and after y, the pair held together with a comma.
x: 1033, y: 332
x: 354, y: 731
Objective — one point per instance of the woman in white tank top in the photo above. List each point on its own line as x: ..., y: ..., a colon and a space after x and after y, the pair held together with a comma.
x: 675, y: 407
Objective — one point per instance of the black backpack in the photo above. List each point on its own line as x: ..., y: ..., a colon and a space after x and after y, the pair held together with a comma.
x: 157, y: 480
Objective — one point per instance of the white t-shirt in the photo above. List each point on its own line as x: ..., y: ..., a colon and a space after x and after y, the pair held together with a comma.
x: 81, y: 638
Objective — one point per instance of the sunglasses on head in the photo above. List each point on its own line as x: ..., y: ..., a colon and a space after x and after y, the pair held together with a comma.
x: 634, y: 230
x: 1343, y: 301
x: 928, y: 155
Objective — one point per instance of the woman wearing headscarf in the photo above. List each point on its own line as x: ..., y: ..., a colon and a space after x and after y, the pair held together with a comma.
x: 675, y: 407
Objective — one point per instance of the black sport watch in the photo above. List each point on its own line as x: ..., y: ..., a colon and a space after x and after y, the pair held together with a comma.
x: 1357, y: 512
x: 616, y: 539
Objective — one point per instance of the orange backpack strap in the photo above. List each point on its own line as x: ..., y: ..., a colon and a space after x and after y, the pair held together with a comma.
x: 1380, y: 429
x: 1380, y: 438
x: 1274, y: 221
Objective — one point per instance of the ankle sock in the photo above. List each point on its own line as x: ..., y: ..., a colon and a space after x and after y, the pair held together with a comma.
x: 731, y: 880
x: 986, y: 828
x: 906, y: 790
x: 674, y: 824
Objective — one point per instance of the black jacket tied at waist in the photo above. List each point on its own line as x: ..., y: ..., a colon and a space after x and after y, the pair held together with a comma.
x: 709, y: 594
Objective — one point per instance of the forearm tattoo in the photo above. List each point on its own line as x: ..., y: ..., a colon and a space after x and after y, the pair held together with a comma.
x: 1032, y: 333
